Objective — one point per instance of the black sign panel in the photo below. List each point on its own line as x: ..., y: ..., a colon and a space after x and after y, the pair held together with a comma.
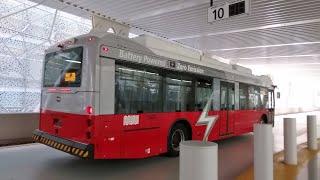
x: 237, y: 8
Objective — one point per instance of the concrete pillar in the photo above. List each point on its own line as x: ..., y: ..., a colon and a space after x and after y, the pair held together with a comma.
x: 263, y: 152
x: 312, y: 132
x: 290, y: 141
x: 198, y: 160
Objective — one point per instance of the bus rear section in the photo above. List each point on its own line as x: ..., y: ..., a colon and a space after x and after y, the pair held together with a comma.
x: 67, y: 100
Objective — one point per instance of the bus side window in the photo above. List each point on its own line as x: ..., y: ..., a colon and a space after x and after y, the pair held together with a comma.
x: 223, y: 97
x: 137, y: 91
x: 254, y: 97
x: 243, y: 96
x: 187, y: 93
x: 179, y: 93
x: 172, y: 100
x: 264, y: 97
x: 128, y: 94
x: 203, y: 92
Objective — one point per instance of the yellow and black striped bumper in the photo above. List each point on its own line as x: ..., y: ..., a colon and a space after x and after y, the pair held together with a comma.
x: 65, y: 145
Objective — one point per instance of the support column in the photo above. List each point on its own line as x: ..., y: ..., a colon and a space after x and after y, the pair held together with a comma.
x: 290, y: 141
x: 263, y: 152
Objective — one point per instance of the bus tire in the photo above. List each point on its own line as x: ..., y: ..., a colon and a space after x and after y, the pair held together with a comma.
x: 177, y: 133
x: 264, y: 119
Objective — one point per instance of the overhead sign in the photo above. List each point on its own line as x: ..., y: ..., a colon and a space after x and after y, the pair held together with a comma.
x: 229, y: 9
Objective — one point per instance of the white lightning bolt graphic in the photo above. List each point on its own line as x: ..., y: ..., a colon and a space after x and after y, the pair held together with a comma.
x: 204, y: 119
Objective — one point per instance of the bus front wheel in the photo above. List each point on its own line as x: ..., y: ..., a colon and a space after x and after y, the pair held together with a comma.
x: 177, y: 134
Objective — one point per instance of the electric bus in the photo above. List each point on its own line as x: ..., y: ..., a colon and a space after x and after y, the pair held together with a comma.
x: 110, y: 97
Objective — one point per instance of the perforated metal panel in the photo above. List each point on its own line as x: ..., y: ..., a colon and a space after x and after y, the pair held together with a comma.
x: 26, y: 30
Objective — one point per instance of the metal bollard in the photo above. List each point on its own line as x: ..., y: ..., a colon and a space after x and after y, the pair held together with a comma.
x: 198, y: 160
x: 263, y: 152
x: 290, y: 141
x: 312, y: 132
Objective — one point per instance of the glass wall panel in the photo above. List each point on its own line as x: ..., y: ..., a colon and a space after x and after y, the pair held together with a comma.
x: 25, y: 33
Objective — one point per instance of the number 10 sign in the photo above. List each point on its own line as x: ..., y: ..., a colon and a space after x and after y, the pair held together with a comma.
x: 218, y: 13
x: 229, y: 9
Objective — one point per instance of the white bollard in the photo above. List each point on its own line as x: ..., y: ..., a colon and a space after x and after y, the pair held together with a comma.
x: 263, y: 152
x: 312, y: 132
x: 313, y: 170
x: 290, y: 141
x: 198, y: 160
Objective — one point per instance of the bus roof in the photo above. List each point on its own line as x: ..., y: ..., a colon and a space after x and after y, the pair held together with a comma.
x: 163, y: 51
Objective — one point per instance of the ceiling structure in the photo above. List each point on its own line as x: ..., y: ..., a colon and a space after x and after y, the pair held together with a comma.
x: 285, y: 33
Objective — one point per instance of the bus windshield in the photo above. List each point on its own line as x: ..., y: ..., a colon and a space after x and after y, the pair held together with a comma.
x: 63, y: 68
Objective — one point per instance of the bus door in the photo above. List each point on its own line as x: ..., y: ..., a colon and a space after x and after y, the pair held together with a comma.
x: 227, y: 106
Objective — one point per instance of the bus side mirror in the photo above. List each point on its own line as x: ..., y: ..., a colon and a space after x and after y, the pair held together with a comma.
x: 278, y: 95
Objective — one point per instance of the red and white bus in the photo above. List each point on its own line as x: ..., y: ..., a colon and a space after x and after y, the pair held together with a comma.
x: 111, y: 98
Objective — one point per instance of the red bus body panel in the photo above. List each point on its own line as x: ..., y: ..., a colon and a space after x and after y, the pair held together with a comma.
x: 112, y: 140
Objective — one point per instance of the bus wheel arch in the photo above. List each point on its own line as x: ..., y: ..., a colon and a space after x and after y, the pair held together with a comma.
x: 180, y: 129
x: 264, y: 119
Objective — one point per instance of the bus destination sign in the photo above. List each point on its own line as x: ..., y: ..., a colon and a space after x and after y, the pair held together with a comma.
x: 145, y: 59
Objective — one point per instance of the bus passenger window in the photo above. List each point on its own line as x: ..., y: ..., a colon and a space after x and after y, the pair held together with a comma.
x: 231, y: 95
x: 187, y: 94
x: 254, y: 97
x: 172, y: 94
x: 203, y: 92
x: 179, y: 94
x: 128, y: 94
x: 137, y: 91
x: 264, y: 97
x: 152, y: 92
x: 243, y: 96
x: 224, y: 98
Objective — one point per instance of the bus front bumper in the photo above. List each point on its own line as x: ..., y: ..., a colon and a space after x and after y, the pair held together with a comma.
x: 65, y: 145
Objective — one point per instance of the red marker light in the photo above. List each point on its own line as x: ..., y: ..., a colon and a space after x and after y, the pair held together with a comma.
x: 65, y: 90
x: 105, y: 49
x: 89, y: 110
x: 52, y: 90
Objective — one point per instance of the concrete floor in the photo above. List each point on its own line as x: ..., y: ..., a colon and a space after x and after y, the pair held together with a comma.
x: 38, y: 162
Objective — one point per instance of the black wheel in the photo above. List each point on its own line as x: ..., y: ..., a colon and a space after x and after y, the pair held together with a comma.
x: 264, y: 119
x: 177, y: 134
